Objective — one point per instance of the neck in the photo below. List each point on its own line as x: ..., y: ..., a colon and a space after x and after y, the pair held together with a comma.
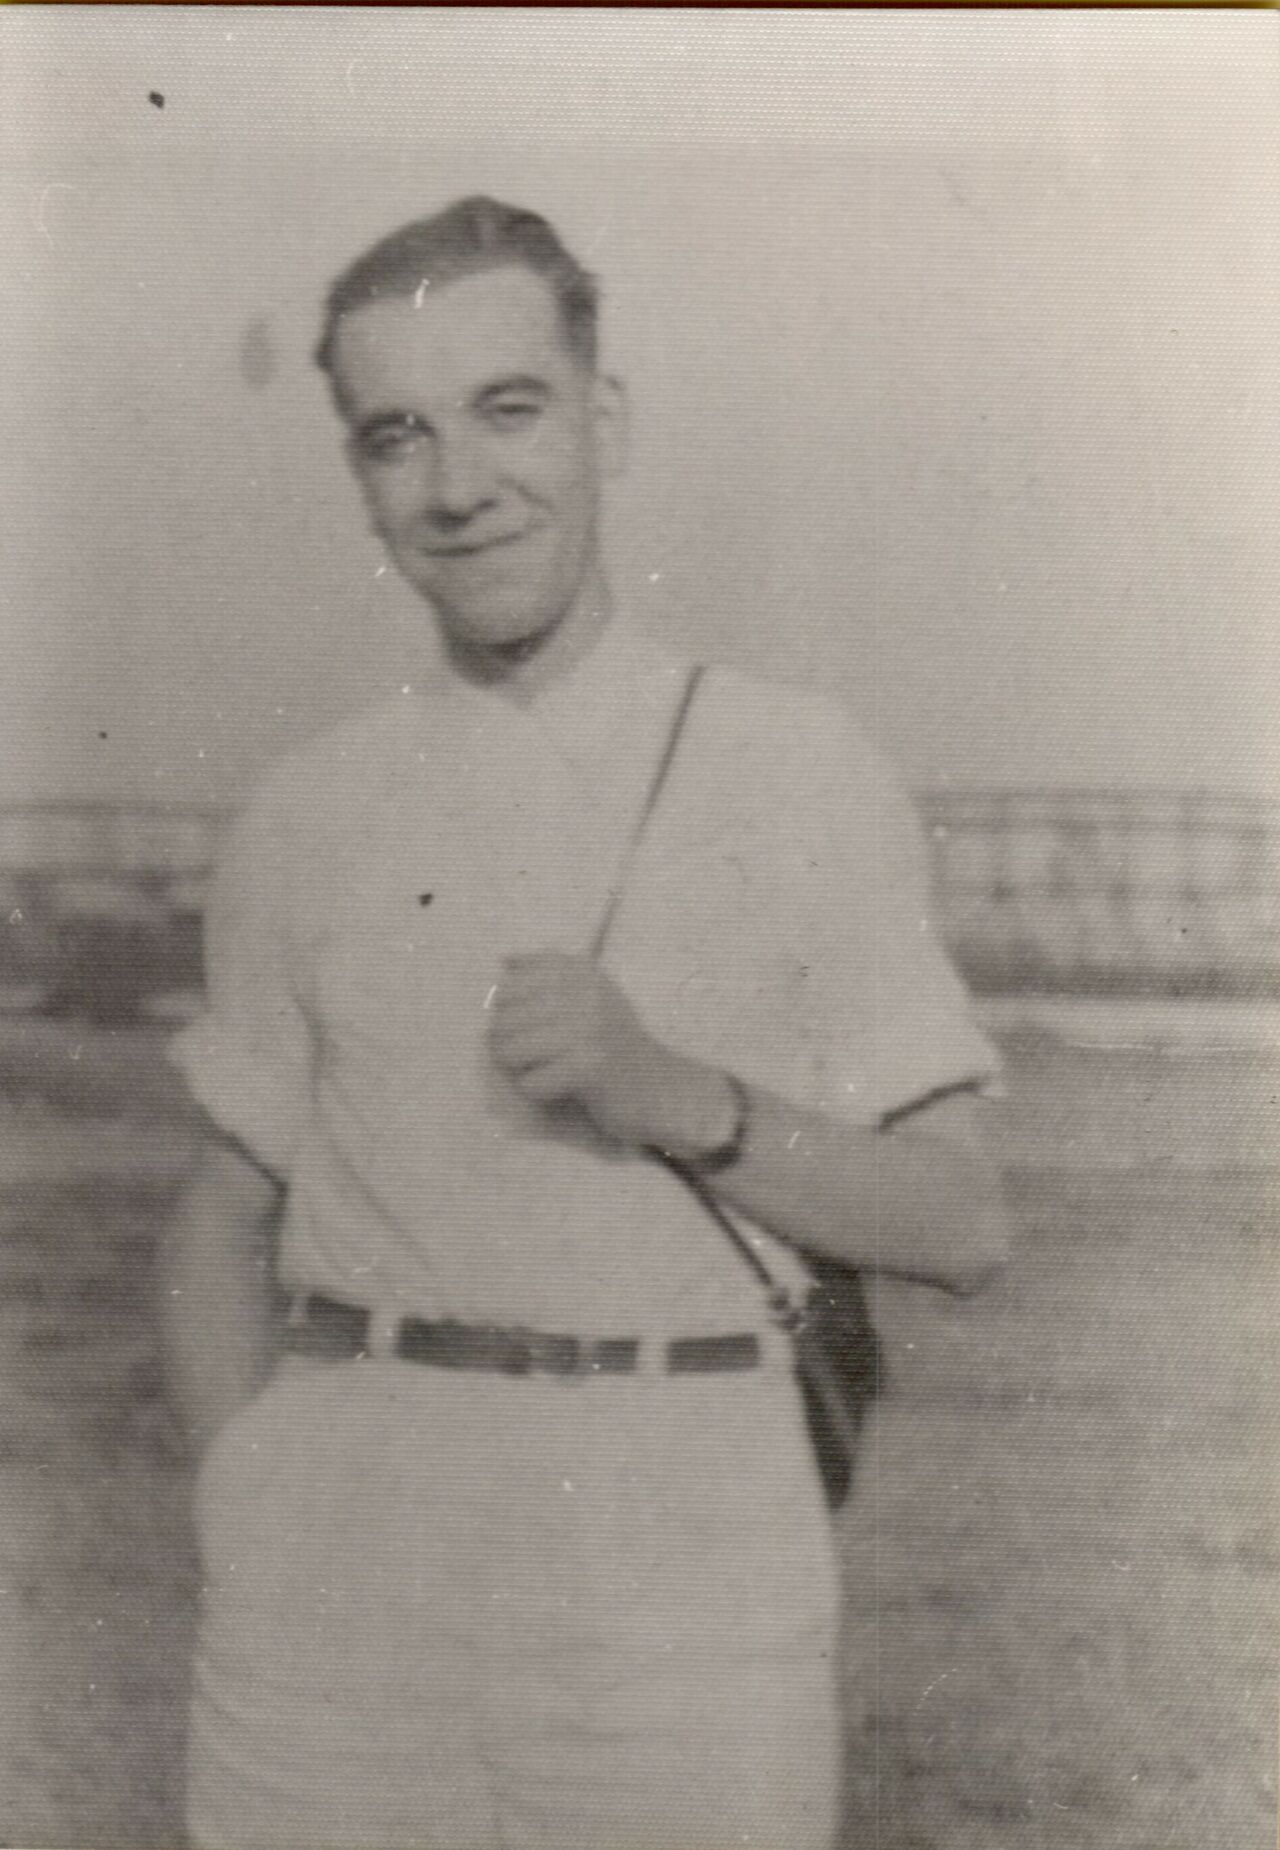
x: 520, y: 669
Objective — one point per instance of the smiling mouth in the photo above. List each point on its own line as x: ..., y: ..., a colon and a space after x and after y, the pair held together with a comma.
x: 470, y: 549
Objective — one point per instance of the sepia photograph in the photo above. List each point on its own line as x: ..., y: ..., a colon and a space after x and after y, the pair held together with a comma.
x: 639, y: 929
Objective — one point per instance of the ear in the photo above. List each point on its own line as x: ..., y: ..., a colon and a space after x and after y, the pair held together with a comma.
x: 612, y: 416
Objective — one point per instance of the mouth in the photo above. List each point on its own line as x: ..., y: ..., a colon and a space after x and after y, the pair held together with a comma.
x: 471, y: 549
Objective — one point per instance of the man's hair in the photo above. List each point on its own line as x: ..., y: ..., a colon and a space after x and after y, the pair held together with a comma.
x: 468, y: 237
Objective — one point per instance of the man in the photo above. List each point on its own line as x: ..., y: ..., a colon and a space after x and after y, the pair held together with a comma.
x: 521, y: 1542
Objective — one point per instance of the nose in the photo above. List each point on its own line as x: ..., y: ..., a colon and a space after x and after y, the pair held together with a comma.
x: 462, y: 482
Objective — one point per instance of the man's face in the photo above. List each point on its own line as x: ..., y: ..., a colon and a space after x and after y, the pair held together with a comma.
x: 480, y: 442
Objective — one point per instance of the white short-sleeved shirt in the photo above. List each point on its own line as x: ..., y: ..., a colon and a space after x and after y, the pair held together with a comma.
x: 774, y: 921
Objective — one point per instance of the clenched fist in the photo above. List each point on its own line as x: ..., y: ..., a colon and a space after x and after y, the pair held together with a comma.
x: 562, y: 1029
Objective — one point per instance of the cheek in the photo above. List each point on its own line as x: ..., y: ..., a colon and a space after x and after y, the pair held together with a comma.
x: 390, y: 496
x: 572, y: 491
x: 559, y: 467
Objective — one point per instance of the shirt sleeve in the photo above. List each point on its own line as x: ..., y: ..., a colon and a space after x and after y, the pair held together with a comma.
x: 248, y: 1058
x: 887, y: 1020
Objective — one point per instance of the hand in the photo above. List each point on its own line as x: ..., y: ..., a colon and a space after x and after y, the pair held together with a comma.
x: 562, y: 1029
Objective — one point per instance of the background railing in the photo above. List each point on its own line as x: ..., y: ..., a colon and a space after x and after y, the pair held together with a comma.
x: 1052, y: 892
x: 1104, y: 892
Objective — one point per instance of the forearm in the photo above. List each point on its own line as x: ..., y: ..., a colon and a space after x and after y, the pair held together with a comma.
x: 216, y: 1293
x: 921, y: 1201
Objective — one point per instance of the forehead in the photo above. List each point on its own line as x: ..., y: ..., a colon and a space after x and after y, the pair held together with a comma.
x: 452, y: 339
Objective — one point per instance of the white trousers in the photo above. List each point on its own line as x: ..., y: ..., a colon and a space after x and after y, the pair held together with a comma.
x: 464, y: 1611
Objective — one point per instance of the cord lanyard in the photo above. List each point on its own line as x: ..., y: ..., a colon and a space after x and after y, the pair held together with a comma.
x: 783, y: 1309
x: 654, y: 791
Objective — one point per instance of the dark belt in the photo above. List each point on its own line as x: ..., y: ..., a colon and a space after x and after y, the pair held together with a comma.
x: 325, y: 1328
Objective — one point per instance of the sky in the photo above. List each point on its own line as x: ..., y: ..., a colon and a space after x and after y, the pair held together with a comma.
x: 949, y: 340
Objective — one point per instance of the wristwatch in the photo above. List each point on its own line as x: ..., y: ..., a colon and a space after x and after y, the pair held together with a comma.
x: 724, y: 1155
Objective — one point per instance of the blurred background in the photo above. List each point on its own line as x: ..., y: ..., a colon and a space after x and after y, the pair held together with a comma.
x: 950, y: 340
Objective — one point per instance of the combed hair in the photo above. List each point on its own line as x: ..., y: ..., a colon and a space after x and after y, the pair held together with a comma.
x: 464, y: 239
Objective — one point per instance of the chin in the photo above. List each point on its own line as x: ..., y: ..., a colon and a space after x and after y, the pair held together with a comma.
x: 496, y: 632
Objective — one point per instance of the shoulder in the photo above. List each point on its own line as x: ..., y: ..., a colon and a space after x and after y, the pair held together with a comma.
x: 312, y: 804
x: 324, y: 780
x: 796, y: 762
x: 803, y: 740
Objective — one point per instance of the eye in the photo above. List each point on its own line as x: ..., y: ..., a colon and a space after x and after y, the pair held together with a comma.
x: 514, y: 413
x: 391, y: 441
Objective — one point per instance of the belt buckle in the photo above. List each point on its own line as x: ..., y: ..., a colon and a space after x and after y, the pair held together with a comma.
x: 609, y: 1355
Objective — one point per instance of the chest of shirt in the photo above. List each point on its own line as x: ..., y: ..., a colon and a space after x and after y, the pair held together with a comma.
x: 508, y: 849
